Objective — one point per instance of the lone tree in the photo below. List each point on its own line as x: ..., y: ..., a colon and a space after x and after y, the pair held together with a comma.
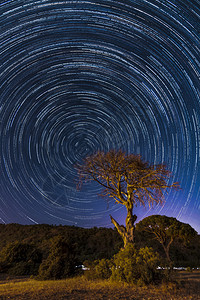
x: 166, y: 230
x: 129, y: 181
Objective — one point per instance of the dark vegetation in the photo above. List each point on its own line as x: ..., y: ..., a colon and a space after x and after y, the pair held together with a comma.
x: 167, y: 230
x: 54, y: 252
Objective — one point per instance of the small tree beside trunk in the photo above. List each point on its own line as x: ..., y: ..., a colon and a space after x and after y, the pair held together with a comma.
x: 166, y: 230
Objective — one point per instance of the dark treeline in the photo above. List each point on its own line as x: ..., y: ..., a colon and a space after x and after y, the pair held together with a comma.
x: 53, y: 251
x: 40, y: 249
x: 90, y: 244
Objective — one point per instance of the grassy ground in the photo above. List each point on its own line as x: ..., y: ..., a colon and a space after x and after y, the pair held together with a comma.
x: 188, y: 288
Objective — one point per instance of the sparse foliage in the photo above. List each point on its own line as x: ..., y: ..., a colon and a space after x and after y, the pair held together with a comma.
x: 129, y: 180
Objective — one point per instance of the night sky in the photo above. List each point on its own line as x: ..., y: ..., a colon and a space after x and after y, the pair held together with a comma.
x: 82, y: 76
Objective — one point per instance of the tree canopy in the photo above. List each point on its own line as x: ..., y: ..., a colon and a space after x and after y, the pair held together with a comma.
x: 129, y: 180
x: 166, y: 230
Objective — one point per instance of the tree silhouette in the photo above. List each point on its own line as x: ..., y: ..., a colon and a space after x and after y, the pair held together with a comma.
x: 166, y: 230
x: 129, y: 181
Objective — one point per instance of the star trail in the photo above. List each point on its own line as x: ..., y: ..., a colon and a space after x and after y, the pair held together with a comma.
x: 81, y: 76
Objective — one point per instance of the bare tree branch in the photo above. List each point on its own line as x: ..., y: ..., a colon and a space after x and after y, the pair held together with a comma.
x: 128, y: 180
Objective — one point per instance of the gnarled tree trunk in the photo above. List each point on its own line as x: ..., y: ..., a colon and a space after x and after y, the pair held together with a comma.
x: 127, y: 233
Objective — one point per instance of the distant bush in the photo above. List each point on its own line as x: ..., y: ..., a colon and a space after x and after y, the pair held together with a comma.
x: 61, y: 262
x: 136, y: 266
x: 103, y: 268
x: 189, y: 269
x: 99, y: 269
x: 20, y: 259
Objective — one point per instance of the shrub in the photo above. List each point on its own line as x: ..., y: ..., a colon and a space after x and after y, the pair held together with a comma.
x: 61, y: 262
x: 189, y: 269
x: 136, y: 266
x: 99, y: 269
x: 103, y: 269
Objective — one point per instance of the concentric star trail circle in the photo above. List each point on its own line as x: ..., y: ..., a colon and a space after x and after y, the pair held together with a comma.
x: 82, y: 76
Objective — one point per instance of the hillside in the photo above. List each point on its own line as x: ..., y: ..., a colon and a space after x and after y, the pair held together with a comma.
x: 93, y: 243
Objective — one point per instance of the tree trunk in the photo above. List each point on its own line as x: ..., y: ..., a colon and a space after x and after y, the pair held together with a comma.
x: 167, y: 254
x: 121, y: 229
x: 166, y: 249
x: 130, y: 223
x: 127, y: 233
